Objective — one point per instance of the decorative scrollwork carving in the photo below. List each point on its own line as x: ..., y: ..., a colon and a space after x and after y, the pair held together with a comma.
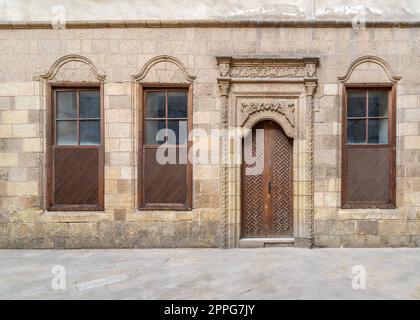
x: 159, y: 59
x: 285, y: 107
x: 372, y: 59
x: 311, y: 70
x: 224, y: 69
x: 224, y: 88
x: 266, y: 72
x: 310, y: 88
x: 58, y: 64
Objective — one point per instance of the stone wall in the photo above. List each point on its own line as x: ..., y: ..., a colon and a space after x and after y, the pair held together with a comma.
x: 120, y: 54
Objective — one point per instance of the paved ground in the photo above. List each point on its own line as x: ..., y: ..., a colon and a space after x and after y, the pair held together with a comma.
x: 271, y: 273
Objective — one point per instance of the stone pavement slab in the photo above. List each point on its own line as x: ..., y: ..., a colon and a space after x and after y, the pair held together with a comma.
x: 270, y: 273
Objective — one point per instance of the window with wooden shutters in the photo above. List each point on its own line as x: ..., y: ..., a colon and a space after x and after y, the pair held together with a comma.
x: 75, y: 171
x: 368, y: 175
x: 165, y: 183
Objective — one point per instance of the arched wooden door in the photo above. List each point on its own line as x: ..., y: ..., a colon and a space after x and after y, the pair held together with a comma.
x: 267, y: 194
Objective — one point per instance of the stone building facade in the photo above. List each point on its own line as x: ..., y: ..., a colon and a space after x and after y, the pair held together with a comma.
x: 227, y: 66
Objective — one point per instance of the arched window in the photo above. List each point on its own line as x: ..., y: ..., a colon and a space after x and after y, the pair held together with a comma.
x: 165, y: 176
x: 76, y: 148
x: 368, y: 176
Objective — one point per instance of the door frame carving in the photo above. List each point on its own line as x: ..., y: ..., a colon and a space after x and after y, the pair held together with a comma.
x: 269, y: 85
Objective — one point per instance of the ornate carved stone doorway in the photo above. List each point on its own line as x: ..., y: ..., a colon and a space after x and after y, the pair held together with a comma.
x: 280, y: 90
x: 266, y: 183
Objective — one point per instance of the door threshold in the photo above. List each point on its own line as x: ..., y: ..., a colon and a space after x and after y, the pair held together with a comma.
x: 266, y: 242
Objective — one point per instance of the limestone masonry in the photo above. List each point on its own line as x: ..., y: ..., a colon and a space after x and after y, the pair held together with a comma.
x: 229, y: 67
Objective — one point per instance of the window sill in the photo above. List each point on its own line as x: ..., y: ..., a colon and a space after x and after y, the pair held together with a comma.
x: 162, y: 215
x: 77, y: 208
x: 76, y: 216
x: 164, y: 207
x: 372, y: 213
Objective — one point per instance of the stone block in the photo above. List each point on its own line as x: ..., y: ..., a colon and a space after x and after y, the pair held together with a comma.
x: 31, y: 145
x: 112, y: 173
x: 373, y: 241
x: 22, y: 188
x: 13, y: 117
x: 8, y: 159
x: 331, y: 199
x: 112, y: 144
x: 324, y: 214
x: 17, y: 89
x: 27, y: 103
x: 367, y: 227
x: 411, y: 115
x: 344, y: 227
x: 55, y: 230
x: 414, y: 241
x: 413, y: 228
x: 327, y: 241
x: 395, y: 241
x: 407, y: 101
x: 110, y: 186
x: 319, y: 199
x: 323, y: 227
x: 5, y: 131
x: 18, y: 174
x: 330, y: 89
x: 353, y: 241
x: 126, y: 172
x: 118, y: 158
x: 24, y: 130
x: 408, y: 129
x: 118, y: 115
x: 125, y: 144
x: 29, y: 159
x: 119, y: 215
x: 82, y: 230
x: 392, y: 227
x: 7, y: 103
x: 412, y: 142
x: 202, y: 117
x: 123, y: 186
x: 120, y: 102
x: 119, y: 130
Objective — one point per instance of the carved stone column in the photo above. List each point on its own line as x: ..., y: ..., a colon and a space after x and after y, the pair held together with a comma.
x: 310, y: 90
x: 224, y: 144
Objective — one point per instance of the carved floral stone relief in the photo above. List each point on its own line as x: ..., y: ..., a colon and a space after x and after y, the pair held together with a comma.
x: 266, y: 72
x: 285, y: 107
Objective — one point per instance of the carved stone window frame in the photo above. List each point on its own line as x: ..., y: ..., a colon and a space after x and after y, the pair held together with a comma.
x: 139, y: 83
x: 260, y: 70
x: 88, y: 75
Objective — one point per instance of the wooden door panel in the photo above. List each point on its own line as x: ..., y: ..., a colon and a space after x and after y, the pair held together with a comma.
x: 252, y: 196
x: 282, y: 184
x: 267, y: 198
